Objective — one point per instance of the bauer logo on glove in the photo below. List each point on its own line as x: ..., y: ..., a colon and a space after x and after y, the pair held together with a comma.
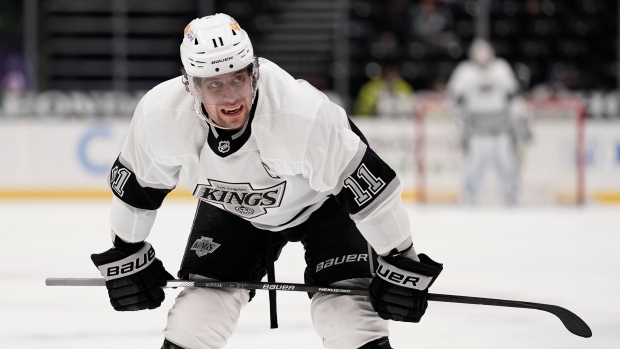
x: 130, y: 265
x: 399, y: 291
x: 402, y: 277
x: 133, y: 275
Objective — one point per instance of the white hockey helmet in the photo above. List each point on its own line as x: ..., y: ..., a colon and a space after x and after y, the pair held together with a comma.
x: 481, y: 52
x: 217, y: 46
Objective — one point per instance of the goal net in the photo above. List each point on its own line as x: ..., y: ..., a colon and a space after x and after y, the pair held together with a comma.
x: 551, y: 165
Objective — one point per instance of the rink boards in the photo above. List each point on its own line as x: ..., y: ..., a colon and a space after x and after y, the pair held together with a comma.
x: 48, y: 158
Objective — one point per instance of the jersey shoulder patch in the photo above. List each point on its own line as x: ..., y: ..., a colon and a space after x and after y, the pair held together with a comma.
x: 128, y: 189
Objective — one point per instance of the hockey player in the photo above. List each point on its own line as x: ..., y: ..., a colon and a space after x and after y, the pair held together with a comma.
x: 272, y: 160
x: 483, y: 90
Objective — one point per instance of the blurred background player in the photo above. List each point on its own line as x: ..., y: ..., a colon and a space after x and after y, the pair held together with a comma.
x: 483, y: 90
x: 272, y: 161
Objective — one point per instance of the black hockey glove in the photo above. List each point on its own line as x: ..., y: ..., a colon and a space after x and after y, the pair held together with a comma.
x: 399, y: 291
x: 133, y: 275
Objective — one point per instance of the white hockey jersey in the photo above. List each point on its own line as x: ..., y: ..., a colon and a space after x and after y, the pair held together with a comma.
x: 296, y: 150
x: 483, y: 89
x: 484, y: 96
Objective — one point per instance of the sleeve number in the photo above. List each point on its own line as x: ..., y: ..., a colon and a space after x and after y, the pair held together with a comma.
x: 374, y: 185
x: 119, y: 179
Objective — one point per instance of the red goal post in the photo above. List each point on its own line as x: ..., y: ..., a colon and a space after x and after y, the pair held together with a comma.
x: 552, y: 166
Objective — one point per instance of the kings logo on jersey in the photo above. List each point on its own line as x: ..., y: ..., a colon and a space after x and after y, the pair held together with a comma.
x: 204, y: 246
x: 241, y: 198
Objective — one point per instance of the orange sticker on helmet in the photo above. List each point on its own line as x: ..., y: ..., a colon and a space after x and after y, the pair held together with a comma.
x: 234, y: 26
x: 186, y: 30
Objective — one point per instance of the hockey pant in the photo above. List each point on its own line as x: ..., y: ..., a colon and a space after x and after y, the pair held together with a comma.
x: 203, y: 318
x: 498, y: 150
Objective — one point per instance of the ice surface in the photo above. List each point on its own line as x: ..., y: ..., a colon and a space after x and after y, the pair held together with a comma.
x: 564, y: 256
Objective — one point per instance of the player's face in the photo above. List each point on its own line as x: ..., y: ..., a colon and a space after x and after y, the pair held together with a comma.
x: 227, y: 98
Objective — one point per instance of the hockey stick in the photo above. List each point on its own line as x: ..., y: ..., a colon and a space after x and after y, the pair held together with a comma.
x: 572, y: 322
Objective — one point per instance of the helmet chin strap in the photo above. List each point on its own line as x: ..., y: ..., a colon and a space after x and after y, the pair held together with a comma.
x: 202, y: 115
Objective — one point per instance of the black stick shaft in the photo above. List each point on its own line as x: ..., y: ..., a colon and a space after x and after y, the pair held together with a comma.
x: 572, y: 322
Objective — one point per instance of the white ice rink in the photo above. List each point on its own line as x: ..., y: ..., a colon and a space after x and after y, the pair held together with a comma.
x: 564, y: 256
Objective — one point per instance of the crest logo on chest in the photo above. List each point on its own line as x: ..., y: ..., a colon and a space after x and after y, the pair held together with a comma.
x: 223, y: 146
x: 241, y: 198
